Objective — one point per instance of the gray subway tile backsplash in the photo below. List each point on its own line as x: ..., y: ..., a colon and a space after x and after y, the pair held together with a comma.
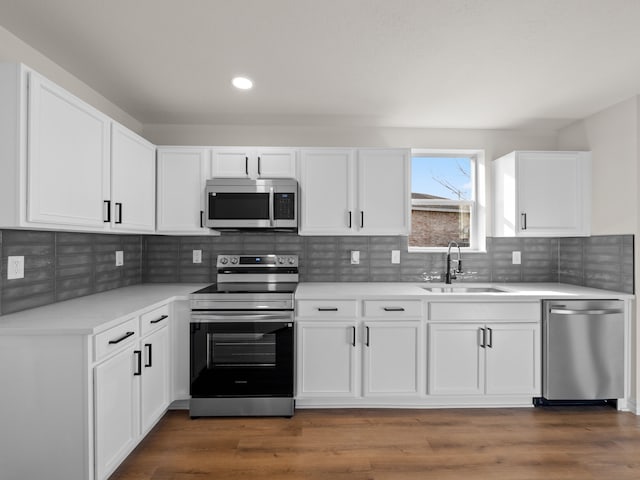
x: 62, y: 265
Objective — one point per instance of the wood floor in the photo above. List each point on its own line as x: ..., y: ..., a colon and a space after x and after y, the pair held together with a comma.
x: 551, y: 443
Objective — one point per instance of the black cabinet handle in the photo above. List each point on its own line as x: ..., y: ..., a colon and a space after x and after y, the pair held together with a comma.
x: 138, y: 354
x: 259, y: 172
x: 353, y: 336
x: 201, y: 219
x: 124, y: 337
x: 393, y: 309
x: 118, y: 212
x: 349, y: 218
x: 246, y: 165
x: 523, y: 221
x: 368, y: 337
x: 148, y: 347
x: 327, y: 309
x: 361, y: 219
x: 158, y: 320
x: 108, y: 203
x: 483, y: 344
x: 490, y: 344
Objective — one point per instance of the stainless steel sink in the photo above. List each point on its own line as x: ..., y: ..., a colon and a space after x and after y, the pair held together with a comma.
x: 457, y: 289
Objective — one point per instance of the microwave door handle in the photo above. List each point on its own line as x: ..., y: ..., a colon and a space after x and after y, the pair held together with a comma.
x: 271, y: 215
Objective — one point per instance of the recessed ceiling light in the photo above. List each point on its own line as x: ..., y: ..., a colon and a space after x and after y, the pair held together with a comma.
x: 242, y: 83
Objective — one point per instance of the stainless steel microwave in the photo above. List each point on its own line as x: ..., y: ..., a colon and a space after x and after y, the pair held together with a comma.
x: 242, y: 203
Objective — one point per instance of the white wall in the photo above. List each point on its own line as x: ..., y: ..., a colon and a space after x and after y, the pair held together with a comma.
x: 12, y: 49
x: 613, y: 135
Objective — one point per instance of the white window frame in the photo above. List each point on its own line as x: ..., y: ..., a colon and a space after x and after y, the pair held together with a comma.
x: 478, y: 234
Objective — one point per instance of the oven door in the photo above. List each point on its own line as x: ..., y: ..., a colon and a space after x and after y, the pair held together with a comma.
x: 242, y: 355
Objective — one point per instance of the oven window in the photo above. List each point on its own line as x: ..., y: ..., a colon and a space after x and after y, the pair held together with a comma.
x: 239, y: 206
x: 241, y: 350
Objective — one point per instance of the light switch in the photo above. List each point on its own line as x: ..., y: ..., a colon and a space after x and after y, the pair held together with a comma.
x: 355, y: 257
x: 197, y: 256
x: 395, y: 256
x: 119, y: 258
x: 15, y: 267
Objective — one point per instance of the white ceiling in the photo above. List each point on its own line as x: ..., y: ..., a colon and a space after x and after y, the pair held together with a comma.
x: 408, y: 63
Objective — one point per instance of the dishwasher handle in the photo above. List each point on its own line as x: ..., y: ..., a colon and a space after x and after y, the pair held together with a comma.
x: 601, y: 311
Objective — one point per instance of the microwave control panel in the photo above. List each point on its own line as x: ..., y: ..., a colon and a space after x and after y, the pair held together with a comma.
x: 284, y: 206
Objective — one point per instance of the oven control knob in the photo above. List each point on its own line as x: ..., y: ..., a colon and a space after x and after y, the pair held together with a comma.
x: 280, y: 260
x: 291, y: 260
x: 234, y: 260
x: 224, y: 260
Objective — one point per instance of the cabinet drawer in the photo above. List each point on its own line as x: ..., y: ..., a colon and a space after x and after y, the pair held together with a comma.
x: 393, y: 308
x: 327, y: 308
x: 154, y: 319
x: 115, y: 338
x: 485, y: 311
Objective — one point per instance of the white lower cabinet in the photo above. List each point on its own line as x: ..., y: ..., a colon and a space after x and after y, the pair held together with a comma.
x: 488, y: 359
x: 116, y: 411
x: 391, y: 358
x: 357, y: 360
x: 326, y: 359
x: 131, y: 389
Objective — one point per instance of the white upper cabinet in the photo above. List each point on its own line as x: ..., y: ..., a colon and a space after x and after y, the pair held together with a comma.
x: 133, y: 181
x: 326, y: 203
x: 253, y: 162
x: 182, y: 176
x: 64, y: 167
x: 354, y: 192
x: 54, y: 154
x: 542, y: 194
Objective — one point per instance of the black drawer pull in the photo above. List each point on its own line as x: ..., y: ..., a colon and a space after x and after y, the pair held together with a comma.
x: 327, y: 309
x: 124, y: 337
x: 393, y: 309
x: 158, y: 320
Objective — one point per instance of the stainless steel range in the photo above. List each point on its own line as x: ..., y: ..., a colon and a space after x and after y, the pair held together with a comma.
x: 242, y: 338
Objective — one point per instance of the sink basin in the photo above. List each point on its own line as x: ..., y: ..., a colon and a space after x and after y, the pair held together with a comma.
x: 456, y: 289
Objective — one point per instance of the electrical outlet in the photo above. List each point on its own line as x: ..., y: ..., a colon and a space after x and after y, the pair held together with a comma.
x: 119, y: 258
x: 197, y: 256
x: 15, y: 267
x: 355, y: 257
x: 516, y: 258
x: 395, y: 256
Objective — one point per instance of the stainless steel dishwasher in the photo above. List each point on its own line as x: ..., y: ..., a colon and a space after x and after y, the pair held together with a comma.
x: 583, y: 350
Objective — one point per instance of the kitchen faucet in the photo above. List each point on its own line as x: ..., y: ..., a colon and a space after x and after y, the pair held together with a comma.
x: 449, y: 275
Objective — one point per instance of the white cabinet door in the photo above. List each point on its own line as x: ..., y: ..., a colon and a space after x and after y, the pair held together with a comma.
x: 550, y: 193
x: 68, y: 158
x: 513, y: 359
x: 326, y: 192
x: 542, y: 194
x: 116, y: 411
x: 133, y: 181
x: 383, y: 191
x: 252, y: 162
x: 230, y: 162
x: 274, y: 163
x: 182, y: 177
x: 326, y: 363
x: 154, y: 395
x: 456, y: 361
x: 392, y: 363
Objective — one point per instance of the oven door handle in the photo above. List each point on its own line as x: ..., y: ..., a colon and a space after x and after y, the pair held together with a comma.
x: 240, y: 317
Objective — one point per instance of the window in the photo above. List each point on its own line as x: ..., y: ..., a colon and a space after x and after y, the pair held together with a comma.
x: 447, y: 201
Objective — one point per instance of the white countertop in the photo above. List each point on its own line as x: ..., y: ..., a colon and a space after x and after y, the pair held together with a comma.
x: 93, y: 313
x: 515, y: 291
